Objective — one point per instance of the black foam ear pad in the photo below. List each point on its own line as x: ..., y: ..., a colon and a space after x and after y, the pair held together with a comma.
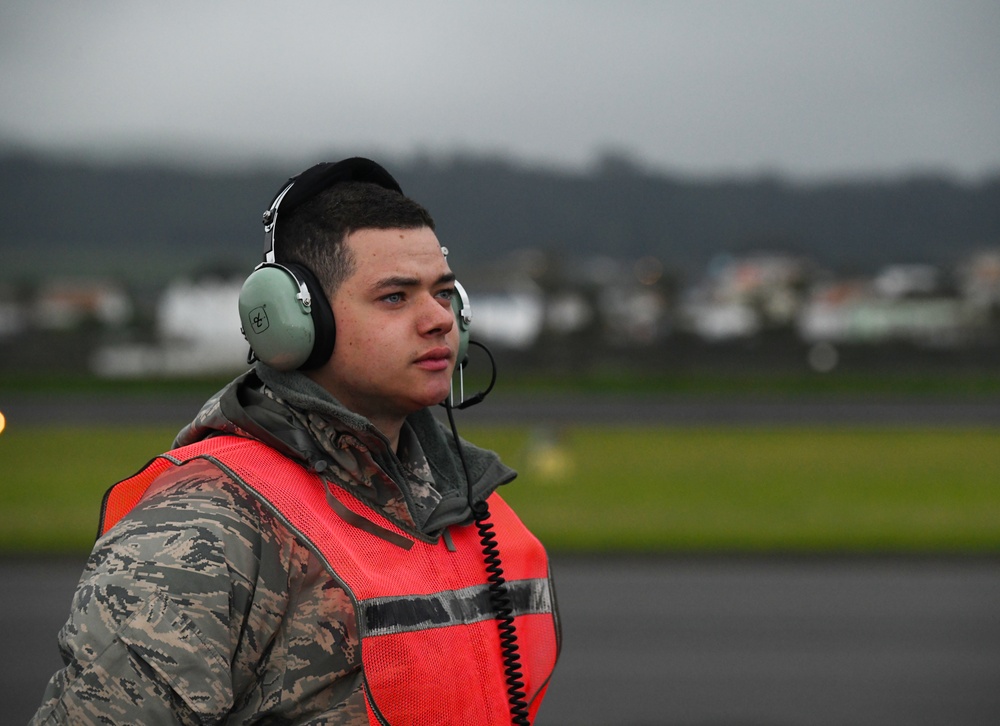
x: 322, y: 315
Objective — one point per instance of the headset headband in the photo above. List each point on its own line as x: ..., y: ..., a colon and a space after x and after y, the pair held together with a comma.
x: 303, y: 187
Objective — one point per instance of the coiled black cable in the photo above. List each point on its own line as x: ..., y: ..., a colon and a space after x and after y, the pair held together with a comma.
x: 503, y: 606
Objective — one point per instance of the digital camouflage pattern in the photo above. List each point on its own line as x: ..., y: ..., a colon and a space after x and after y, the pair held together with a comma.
x: 202, y: 607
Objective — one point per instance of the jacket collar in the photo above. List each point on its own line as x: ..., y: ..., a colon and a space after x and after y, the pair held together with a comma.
x: 423, y: 488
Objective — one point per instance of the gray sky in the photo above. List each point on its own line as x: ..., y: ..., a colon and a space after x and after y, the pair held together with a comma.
x: 803, y: 88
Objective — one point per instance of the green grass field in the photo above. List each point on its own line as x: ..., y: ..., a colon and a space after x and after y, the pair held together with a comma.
x: 627, y: 489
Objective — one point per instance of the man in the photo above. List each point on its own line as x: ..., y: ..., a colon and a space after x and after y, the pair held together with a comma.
x: 317, y: 547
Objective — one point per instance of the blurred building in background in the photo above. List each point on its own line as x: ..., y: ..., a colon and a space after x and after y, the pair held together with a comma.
x: 543, y: 311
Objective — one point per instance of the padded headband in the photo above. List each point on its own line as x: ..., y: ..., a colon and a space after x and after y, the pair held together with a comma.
x: 303, y: 187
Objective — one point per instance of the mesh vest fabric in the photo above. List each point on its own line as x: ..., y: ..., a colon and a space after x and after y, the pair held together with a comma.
x: 430, y: 646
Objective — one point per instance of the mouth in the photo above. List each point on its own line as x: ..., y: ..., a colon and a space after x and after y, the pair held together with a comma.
x: 436, y: 359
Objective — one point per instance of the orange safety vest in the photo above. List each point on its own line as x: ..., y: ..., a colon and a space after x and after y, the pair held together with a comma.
x: 430, y: 642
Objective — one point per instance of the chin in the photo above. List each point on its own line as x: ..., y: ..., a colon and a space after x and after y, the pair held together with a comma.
x: 434, y: 396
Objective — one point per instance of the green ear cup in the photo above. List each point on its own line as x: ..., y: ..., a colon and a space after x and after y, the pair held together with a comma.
x: 463, y: 317
x: 275, y: 312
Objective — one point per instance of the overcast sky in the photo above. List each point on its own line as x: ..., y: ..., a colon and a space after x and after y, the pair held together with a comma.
x: 802, y: 88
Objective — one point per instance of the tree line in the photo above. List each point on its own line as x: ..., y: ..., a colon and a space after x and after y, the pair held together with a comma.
x: 147, y: 222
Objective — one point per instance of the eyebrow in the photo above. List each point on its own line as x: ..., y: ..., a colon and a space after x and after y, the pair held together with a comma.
x: 401, y: 281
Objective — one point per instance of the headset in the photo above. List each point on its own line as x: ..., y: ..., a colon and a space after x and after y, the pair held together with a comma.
x: 285, y: 315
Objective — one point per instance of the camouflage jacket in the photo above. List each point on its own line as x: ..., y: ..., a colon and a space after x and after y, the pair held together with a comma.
x: 202, y: 607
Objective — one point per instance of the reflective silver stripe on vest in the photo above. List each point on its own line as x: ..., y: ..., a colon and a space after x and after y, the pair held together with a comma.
x: 407, y: 613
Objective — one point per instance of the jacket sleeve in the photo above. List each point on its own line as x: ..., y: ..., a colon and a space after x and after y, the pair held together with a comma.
x: 158, y: 612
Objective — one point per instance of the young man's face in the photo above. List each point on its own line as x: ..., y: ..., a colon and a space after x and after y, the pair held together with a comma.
x: 396, y: 333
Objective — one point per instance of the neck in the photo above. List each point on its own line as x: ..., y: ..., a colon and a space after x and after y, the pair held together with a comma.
x: 388, y: 422
x: 389, y: 429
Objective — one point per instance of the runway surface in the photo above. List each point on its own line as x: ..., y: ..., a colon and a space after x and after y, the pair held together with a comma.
x: 674, y: 410
x: 694, y: 641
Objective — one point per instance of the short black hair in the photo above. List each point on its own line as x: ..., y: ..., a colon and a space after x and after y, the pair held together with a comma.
x: 312, y: 235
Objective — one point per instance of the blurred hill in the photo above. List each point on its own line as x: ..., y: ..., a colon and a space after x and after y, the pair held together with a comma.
x: 145, y: 223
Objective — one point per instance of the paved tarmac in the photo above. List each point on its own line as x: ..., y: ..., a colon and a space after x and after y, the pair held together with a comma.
x: 672, y: 410
x: 693, y: 641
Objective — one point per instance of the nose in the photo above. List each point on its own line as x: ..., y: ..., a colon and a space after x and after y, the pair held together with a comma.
x: 438, y: 317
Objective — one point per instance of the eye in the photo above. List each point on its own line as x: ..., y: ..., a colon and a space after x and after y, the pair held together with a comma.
x: 447, y: 294
x: 393, y: 298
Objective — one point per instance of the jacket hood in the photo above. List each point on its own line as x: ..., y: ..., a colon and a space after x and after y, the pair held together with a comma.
x: 423, y: 488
